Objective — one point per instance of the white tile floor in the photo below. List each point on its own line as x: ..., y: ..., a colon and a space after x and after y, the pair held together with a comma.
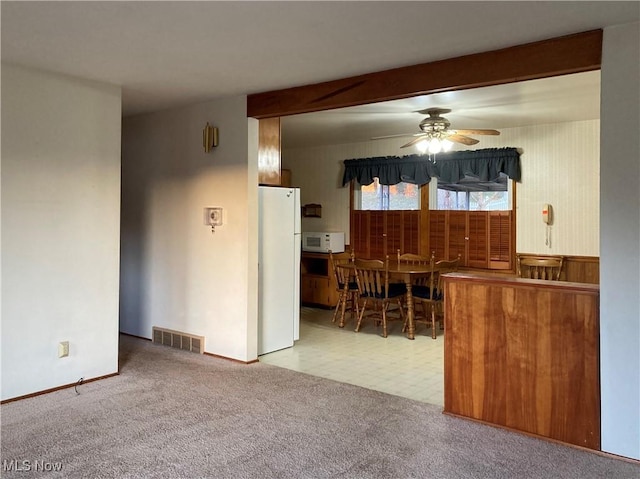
x: 395, y: 365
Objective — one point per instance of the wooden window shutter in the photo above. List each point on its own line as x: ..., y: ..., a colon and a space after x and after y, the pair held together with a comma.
x: 478, y: 234
x: 394, y: 231
x: 489, y: 244
x: 437, y: 233
x: 457, y: 241
x: 410, y: 232
x: 376, y: 234
x: 403, y: 232
x: 500, y: 240
x: 360, y: 233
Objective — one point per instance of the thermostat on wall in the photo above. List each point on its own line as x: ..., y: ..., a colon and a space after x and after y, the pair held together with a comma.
x: 213, y: 217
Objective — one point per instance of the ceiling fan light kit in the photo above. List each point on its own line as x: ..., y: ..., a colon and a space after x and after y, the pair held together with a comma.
x: 434, y: 145
x: 436, y: 135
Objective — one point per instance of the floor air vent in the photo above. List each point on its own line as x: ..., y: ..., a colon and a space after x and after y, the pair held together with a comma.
x: 178, y: 340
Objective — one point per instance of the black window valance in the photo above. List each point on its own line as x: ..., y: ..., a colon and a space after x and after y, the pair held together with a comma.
x: 450, y: 167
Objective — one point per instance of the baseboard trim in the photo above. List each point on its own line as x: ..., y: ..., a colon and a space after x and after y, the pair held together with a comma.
x: 58, y: 388
x: 230, y: 359
x: 618, y: 457
x: 205, y: 353
x: 599, y: 452
x: 518, y: 431
x: 135, y: 336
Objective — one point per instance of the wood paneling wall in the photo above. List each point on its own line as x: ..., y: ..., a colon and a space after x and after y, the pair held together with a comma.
x: 523, y: 354
x: 269, y: 157
x: 579, y: 269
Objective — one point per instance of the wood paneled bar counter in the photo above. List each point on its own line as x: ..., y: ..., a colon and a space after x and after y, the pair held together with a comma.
x: 524, y: 354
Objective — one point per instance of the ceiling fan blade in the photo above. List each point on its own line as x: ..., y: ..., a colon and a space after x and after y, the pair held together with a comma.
x: 465, y: 140
x: 414, y: 141
x: 477, y: 132
x: 396, y: 136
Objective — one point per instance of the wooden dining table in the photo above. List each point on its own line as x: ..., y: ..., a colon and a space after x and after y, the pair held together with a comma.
x: 407, y: 273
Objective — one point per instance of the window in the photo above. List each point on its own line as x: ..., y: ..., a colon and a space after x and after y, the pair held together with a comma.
x: 403, y: 196
x: 471, y: 194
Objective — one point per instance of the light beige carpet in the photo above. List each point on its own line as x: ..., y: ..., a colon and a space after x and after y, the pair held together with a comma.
x: 173, y: 414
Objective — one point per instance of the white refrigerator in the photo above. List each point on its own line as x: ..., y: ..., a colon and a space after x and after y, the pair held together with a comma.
x: 278, y: 268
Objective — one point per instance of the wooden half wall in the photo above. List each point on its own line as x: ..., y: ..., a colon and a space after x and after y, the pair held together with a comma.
x: 524, y: 354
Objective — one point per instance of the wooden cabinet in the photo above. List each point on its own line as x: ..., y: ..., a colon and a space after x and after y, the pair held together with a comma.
x: 317, y: 285
x: 315, y: 290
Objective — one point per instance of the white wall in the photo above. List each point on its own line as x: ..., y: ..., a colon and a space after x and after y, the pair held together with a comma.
x: 620, y: 242
x: 560, y: 165
x: 60, y: 229
x: 318, y: 172
x: 176, y: 273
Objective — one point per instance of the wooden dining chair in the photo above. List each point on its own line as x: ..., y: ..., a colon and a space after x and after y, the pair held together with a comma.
x: 539, y: 267
x: 376, y: 293
x: 346, y: 285
x: 431, y: 294
x: 415, y: 259
x: 411, y: 258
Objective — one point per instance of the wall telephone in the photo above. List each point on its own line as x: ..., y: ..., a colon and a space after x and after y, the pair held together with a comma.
x: 547, y: 218
x: 547, y: 214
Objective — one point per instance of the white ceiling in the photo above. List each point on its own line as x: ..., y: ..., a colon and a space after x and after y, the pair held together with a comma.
x: 172, y: 54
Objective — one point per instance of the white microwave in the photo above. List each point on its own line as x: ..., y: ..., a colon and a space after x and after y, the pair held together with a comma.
x: 323, y: 242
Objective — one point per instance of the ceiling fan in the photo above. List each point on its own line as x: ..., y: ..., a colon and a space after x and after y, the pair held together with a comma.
x: 437, y: 135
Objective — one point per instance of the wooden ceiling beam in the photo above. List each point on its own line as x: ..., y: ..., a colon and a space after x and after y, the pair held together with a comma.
x: 557, y: 56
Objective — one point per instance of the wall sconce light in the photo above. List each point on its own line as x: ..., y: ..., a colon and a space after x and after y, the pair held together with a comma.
x: 209, y: 137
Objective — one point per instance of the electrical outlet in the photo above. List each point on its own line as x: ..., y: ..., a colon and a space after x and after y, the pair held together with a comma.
x: 63, y: 349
